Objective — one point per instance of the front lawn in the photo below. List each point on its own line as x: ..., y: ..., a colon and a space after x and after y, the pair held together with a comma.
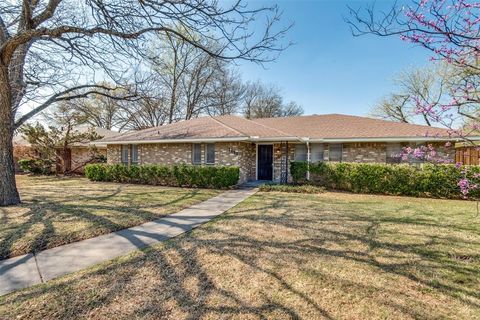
x: 283, y: 256
x: 57, y: 211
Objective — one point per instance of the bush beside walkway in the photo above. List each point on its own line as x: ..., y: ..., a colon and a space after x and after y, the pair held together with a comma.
x: 217, y: 177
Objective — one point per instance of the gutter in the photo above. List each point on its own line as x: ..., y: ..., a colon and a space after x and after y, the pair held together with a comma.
x: 273, y: 139
x: 389, y: 139
x: 289, y: 139
x: 233, y: 139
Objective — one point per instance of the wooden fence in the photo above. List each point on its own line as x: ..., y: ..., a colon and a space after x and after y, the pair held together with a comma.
x: 467, y: 156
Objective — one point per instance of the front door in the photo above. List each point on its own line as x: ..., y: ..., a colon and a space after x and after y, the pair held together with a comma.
x: 265, y: 162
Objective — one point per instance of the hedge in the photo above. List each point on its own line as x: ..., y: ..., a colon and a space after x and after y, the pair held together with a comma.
x: 428, y: 180
x: 36, y: 166
x: 175, y: 176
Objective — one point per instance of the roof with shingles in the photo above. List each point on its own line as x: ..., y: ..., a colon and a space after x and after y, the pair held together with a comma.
x: 329, y: 126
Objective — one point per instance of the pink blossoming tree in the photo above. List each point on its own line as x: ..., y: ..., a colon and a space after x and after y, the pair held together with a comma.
x: 450, y: 30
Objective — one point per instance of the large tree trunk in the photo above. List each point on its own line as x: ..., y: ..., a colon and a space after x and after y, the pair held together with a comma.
x: 8, y: 188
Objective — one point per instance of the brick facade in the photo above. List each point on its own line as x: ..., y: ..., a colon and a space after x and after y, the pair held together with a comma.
x: 243, y: 155
x: 81, y: 156
x: 226, y: 154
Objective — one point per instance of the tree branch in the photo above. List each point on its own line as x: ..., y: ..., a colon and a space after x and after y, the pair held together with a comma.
x: 66, y: 96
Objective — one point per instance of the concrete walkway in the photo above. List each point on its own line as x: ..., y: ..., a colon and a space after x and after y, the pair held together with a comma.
x: 30, y: 269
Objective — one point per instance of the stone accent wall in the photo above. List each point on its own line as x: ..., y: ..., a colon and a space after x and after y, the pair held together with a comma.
x: 364, y: 152
x: 226, y: 154
x: 279, y: 157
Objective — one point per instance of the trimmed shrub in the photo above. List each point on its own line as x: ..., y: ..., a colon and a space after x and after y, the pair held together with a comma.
x: 176, y: 176
x: 427, y: 180
x: 305, y: 188
x: 36, y: 166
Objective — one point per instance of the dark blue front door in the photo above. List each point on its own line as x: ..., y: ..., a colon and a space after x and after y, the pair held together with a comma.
x: 265, y: 162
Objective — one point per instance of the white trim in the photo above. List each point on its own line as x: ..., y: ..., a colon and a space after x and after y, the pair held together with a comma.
x: 287, y: 139
x: 273, y: 139
x: 389, y: 139
x: 233, y: 139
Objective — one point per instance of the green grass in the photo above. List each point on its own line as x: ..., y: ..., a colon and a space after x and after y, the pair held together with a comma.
x: 282, y: 256
x: 57, y: 211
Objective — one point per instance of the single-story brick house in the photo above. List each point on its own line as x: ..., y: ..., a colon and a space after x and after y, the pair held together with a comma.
x: 263, y: 148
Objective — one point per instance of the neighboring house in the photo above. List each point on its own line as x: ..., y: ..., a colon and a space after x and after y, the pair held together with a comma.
x: 81, y: 154
x: 78, y: 154
x: 21, y: 150
x: 263, y: 148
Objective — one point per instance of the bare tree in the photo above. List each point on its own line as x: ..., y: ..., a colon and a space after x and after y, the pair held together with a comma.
x: 198, y: 86
x: 393, y: 107
x: 226, y: 93
x: 292, y: 109
x: 416, y: 88
x: 101, y: 110
x: 170, y: 58
x: 266, y: 101
x: 150, y: 109
x: 53, y: 50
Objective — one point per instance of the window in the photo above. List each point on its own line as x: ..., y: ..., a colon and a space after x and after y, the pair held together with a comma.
x: 210, y: 153
x: 394, y: 152
x: 316, y: 152
x: 125, y: 154
x: 197, y: 153
x: 335, y: 152
x: 300, y: 152
x: 134, y: 154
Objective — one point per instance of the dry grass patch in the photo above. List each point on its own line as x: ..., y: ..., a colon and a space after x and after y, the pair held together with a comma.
x: 284, y: 256
x: 57, y: 211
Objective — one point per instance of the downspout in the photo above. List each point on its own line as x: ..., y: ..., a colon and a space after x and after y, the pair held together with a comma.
x: 287, y: 163
x: 308, y: 160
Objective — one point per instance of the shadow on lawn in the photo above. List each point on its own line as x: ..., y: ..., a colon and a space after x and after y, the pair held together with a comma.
x: 43, y: 212
x: 170, y: 280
